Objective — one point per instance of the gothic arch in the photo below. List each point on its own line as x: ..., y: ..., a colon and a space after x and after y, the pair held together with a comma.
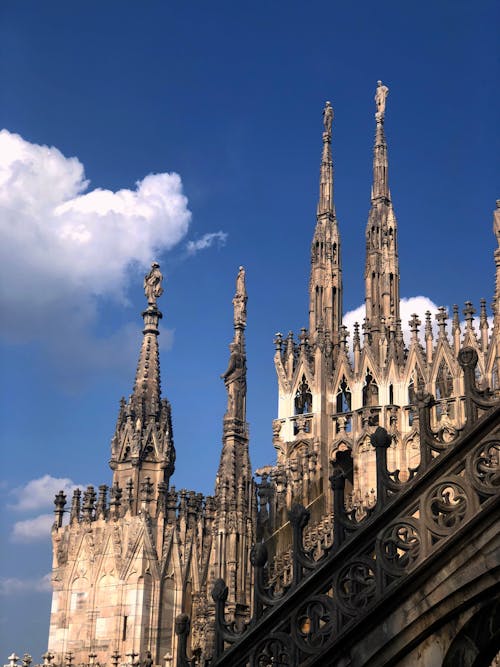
x: 343, y: 396
x: 302, y: 397
x: 370, y: 391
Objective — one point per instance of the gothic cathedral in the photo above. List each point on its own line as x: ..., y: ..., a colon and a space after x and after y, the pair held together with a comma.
x: 137, y: 554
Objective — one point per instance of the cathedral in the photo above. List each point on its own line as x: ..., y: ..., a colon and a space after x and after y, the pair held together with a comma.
x: 137, y: 554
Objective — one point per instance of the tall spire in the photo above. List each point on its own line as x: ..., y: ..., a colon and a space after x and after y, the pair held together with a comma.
x: 382, y: 266
x: 235, y: 375
x: 142, y: 447
x: 146, y: 393
x: 234, y: 493
x: 325, y: 285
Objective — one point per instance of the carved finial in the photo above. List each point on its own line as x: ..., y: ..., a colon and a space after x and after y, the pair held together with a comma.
x: 428, y: 325
x: 441, y: 317
x: 469, y: 312
x: 278, y: 341
x: 414, y: 325
x: 355, y: 338
x: 380, y: 98
x: 59, y: 502
x: 75, y: 506
x: 328, y: 118
x: 152, y: 284
x: 344, y: 333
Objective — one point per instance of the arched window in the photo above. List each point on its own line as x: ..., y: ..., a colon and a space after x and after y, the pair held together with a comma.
x: 370, y: 390
x: 303, y: 398
x: 343, y: 396
x: 444, y: 381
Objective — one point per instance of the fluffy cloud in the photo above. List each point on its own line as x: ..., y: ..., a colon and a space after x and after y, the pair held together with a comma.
x: 32, y: 530
x: 34, y: 496
x: 14, y: 586
x: 206, y: 241
x: 57, y: 235
x: 39, y: 493
x: 64, y: 245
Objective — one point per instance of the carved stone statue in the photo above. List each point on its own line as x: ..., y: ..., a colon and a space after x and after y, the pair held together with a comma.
x: 240, y: 299
x: 152, y: 284
x: 328, y: 117
x: 380, y: 97
x: 236, y: 383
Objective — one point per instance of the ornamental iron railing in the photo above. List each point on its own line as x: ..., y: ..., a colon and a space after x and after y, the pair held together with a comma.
x: 371, y: 560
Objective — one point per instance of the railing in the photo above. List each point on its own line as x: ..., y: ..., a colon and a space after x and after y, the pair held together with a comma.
x: 412, y: 523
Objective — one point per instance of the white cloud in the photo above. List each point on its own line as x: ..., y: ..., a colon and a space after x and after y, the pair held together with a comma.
x: 39, y: 493
x: 14, y: 586
x: 63, y: 246
x: 69, y: 239
x: 32, y: 530
x: 206, y: 241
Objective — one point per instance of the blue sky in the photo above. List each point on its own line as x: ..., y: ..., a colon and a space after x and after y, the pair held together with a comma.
x: 228, y: 96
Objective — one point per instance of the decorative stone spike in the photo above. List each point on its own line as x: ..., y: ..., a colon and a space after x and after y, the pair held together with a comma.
x: 469, y: 312
x: 414, y: 324
x: 278, y: 341
x: 115, y: 501
x: 102, y: 502
x: 428, y: 336
x: 355, y: 339
x: 75, y: 506
x: 455, y: 329
x: 441, y: 317
x: 483, y: 325
x: 88, y: 506
x: 59, y: 502
x: 344, y: 333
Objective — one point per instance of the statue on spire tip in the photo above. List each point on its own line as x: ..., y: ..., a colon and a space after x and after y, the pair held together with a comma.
x: 152, y: 284
x: 328, y: 117
x: 240, y: 300
x: 380, y: 97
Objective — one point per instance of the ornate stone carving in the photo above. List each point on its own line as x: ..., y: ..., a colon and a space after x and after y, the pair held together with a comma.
x: 380, y: 97
x: 152, y: 284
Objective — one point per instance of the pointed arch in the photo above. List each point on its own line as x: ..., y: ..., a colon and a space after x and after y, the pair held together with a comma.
x: 370, y: 392
x: 343, y: 398
x: 443, y: 380
x: 416, y: 383
x: 302, y: 400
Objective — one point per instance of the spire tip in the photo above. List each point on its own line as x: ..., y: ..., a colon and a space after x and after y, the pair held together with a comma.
x: 380, y: 98
x: 152, y: 284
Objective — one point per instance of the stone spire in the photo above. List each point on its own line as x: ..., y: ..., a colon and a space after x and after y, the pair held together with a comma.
x: 142, y: 447
x: 325, y: 285
x: 382, y: 266
x: 235, y: 375
x: 234, y: 493
x: 147, y: 389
